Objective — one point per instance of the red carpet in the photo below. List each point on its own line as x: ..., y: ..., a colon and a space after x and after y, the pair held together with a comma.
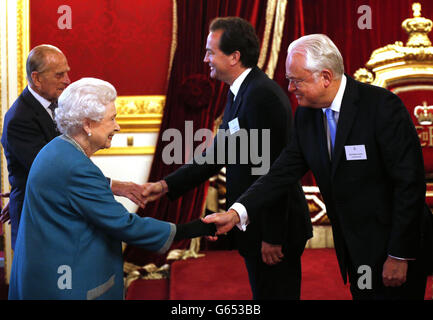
x: 221, y: 275
x: 321, y: 279
x: 148, y: 290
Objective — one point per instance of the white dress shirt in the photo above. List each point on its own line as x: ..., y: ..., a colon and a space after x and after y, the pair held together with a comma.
x: 236, y: 85
x: 44, y: 102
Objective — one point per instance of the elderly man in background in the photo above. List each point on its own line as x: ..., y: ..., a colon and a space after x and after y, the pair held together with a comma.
x: 28, y: 126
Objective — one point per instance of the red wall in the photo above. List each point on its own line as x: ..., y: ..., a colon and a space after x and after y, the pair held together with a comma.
x: 125, y: 42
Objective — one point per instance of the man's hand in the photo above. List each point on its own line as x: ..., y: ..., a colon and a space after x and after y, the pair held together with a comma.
x: 271, y: 253
x: 224, y: 221
x: 4, y: 215
x: 154, y: 190
x: 394, y: 272
x: 130, y: 190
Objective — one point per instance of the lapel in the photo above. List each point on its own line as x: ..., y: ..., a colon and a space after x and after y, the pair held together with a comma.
x: 41, y: 115
x: 255, y: 72
x: 348, y: 112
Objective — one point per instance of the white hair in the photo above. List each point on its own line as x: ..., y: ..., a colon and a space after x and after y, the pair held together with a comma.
x: 320, y: 53
x: 85, y: 98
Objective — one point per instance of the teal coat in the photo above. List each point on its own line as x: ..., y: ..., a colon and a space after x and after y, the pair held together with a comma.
x: 69, y: 243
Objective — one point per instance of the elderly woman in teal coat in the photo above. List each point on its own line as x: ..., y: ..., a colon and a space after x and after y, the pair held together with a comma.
x: 69, y: 243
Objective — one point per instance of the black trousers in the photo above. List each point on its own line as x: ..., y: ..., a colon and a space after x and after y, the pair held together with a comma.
x: 413, y: 289
x: 277, y: 282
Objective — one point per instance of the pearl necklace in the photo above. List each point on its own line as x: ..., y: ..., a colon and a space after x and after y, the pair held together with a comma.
x: 72, y: 141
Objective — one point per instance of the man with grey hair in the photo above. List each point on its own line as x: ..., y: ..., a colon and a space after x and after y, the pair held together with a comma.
x: 29, y: 126
x: 362, y: 147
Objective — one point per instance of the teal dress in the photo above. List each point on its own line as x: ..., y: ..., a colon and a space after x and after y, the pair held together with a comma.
x: 69, y: 243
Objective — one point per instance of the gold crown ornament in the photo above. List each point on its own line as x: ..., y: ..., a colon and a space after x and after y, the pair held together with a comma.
x: 424, y: 114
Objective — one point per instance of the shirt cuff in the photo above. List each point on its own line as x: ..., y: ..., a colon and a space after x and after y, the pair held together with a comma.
x: 398, y: 258
x: 243, y: 216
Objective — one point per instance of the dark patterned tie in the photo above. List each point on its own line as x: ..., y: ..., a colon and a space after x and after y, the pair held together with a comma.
x: 53, y: 107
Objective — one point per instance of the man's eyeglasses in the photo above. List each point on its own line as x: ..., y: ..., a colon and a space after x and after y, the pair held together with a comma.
x: 295, y: 82
x: 298, y: 82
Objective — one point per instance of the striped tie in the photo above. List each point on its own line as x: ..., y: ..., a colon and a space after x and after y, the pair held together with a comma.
x: 53, y: 107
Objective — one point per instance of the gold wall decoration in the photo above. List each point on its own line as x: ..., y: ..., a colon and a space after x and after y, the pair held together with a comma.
x: 126, y: 151
x: 140, y: 113
x: 130, y: 141
x: 23, y: 41
x: 13, y: 25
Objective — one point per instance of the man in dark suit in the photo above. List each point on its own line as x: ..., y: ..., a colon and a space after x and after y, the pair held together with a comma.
x: 367, y: 161
x: 271, y: 247
x: 29, y: 126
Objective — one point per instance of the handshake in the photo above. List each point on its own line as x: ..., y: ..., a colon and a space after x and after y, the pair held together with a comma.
x: 148, y: 192
x: 224, y: 221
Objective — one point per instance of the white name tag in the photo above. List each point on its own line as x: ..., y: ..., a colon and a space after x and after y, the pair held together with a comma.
x: 356, y: 152
x: 234, y: 126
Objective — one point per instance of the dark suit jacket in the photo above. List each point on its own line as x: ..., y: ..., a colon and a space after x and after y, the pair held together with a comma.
x: 376, y: 205
x: 260, y: 104
x: 27, y: 128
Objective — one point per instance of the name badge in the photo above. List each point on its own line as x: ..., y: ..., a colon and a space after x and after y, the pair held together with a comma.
x: 356, y: 152
x: 234, y: 126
